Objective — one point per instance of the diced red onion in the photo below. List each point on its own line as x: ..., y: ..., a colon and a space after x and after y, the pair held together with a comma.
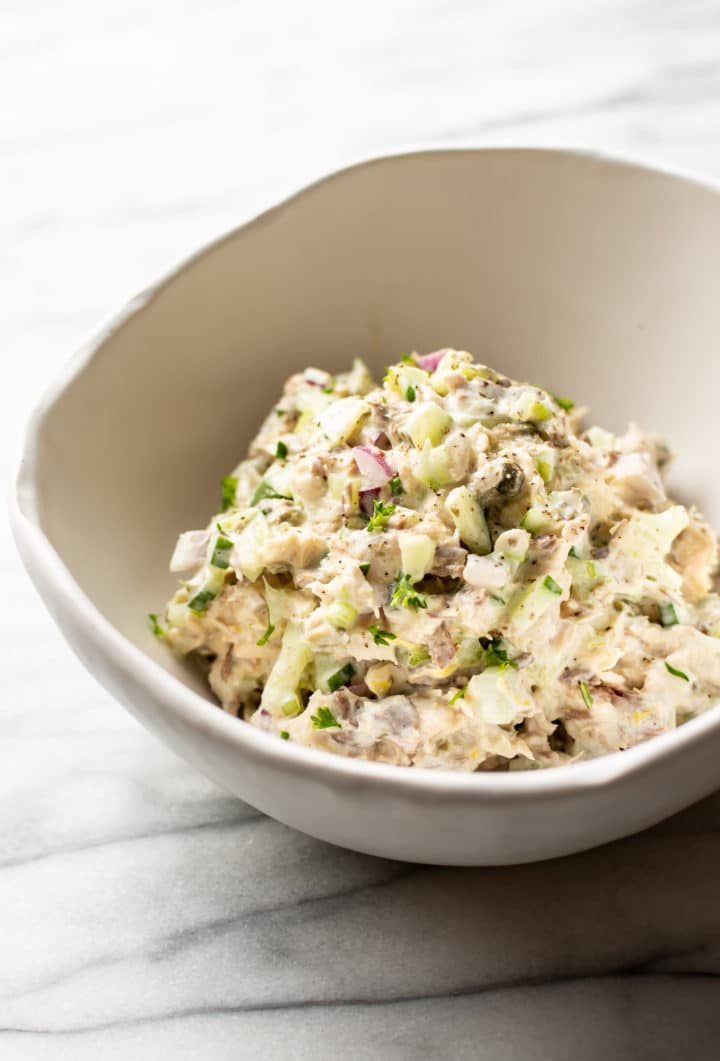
x: 431, y: 361
x: 367, y: 499
x: 373, y: 466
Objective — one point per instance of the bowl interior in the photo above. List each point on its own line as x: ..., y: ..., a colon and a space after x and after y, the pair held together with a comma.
x: 594, y: 278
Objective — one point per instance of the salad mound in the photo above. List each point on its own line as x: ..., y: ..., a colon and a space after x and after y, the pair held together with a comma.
x: 447, y: 571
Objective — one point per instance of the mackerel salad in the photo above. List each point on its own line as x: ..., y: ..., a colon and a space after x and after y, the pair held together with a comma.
x: 446, y: 570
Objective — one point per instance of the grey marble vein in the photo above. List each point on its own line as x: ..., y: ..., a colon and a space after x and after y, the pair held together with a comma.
x: 144, y: 913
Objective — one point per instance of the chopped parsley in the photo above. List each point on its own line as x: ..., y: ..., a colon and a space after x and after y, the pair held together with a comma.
x: 279, y: 412
x: 405, y: 595
x: 675, y: 672
x: 340, y: 677
x: 381, y: 514
x: 380, y: 637
x: 284, y: 735
x: 550, y: 583
x: 496, y: 654
x: 263, y: 490
x: 221, y: 552
x: 396, y: 486
x: 364, y: 568
x: 458, y: 695
x: 200, y: 601
x: 586, y: 695
x: 229, y: 487
x: 668, y: 615
x: 324, y: 719
x: 410, y: 394
x: 573, y: 553
x: 267, y: 635
x: 564, y: 403
x: 281, y: 451
x: 155, y: 626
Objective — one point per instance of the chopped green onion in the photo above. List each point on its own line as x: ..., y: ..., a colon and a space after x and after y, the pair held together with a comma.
x: 410, y: 394
x: 281, y: 451
x: 364, y: 568
x: 550, y: 583
x: 229, y: 487
x: 324, y: 719
x: 381, y: 514
x: 459, y: 695
x: 158, y: 630
x: 668, y: 615
x: 396, y: 486
x: 586, y: 695
x: 494, y: 596
x: 564, y: 403
x: 340, y: 677
x: 675, y: 672
x: 380, y: 637
x: 573, y: 553
x: 496, y: 654
x: 405, y: 595
x: 284, y: 735
x: 221, y: 552
x: 263, y: 490
x: 200, y: 601
x: 266, y: 636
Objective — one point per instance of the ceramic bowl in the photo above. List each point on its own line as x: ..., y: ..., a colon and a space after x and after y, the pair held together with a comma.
x: 592, y: 277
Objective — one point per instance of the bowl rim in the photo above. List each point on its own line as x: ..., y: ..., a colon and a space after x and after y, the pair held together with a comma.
x: 40, y: 556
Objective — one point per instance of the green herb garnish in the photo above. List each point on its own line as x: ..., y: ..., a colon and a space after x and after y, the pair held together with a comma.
x: 328, y: 390
x: 550, y: 583
x: 675, y: 672
x: 418, y: 656
x: 221, y: 552
x: 405, y: 595
x: 229, y: 487
x: 586, y: 695
x: 279, y: 412
x: 396, y: 486
x: 381, y: 514
x: 407, y: 358
x: 364, y: 568
x: 281, y: 451
x: 410, y: 394
x: 200, y: 601
x: 284, y: 735
x: 668, y: 615
x: 340, y: 677
x: 155, y: 626
x: 267, y: 635
x: 573, y: 553
x: 459, y: 695
x: 564, y: 403
x: 324, y: 719
x: 380, y: 637
x: 498, y: 600
x: 496, y: 654
x: 263, y: 490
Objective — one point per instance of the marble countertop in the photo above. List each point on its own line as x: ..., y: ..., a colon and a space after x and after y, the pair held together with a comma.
x: 144, y: 913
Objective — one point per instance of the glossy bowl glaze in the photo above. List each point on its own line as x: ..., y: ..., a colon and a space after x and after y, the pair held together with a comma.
x: 592, y: 277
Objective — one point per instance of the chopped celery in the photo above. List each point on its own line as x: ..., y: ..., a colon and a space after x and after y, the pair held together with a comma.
x: 545, y: 463
x: 221, y: 552
x: 432, y: 468
x: 537, y: 520
x: 280, y: 692
x: 530, y: 407
x: 341, y: 613
x: 340, y: 419
x: 428, y: 421
x: 530, y: 604
x: 469, y: 520
x: 417, y: 552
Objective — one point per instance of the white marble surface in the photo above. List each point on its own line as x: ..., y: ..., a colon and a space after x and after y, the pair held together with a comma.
x: 143, y: 913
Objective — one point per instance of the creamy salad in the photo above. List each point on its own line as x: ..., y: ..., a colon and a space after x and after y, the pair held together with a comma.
x: 446, y: 570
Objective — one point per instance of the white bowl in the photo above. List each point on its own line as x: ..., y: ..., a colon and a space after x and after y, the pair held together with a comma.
x: 595, y: 278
